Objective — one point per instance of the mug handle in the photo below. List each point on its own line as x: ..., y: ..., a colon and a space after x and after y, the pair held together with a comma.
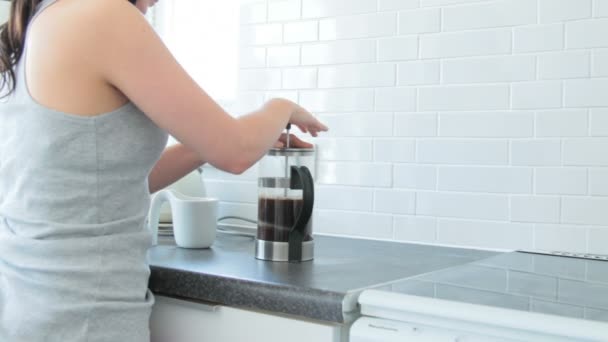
x: 301, y: 178
x: 154, y: 216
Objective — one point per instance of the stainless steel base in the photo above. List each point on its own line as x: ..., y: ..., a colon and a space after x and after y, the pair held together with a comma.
x: 279, y: 251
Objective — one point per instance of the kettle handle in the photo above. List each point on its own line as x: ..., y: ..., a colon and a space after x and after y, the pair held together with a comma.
x: 301, y: 178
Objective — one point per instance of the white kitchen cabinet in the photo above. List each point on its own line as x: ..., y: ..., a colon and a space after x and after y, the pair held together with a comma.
x: 175, y: 320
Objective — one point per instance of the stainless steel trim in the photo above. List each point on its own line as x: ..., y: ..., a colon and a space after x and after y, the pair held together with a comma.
x: 291, y: 152
x: 279, y: 251
x: 586, y: 256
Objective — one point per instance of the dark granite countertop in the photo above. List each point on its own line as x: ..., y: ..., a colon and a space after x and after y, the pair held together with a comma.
x: 325, y: 289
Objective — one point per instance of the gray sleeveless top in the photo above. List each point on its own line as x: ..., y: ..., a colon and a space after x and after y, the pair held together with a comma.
x: 73, y: 202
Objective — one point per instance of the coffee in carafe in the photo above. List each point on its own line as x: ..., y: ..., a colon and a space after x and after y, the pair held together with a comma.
x: 277, y: 216
x: 285, y: 204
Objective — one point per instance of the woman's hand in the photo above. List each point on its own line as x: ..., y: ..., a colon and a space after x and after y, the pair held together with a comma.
x: 294, y: 142
x: 306, y: 122
x: 300, y: 117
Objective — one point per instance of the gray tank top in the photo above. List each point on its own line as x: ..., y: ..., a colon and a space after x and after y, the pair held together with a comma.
x: 73, y: 202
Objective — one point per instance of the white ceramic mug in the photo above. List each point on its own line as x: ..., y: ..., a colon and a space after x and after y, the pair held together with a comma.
x: 194, y: 218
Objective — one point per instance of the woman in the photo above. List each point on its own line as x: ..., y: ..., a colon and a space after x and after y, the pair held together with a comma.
x: 79, y: 158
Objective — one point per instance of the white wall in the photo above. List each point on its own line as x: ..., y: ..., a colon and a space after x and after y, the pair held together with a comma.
x: 5, y: 7
x: 466, y: 122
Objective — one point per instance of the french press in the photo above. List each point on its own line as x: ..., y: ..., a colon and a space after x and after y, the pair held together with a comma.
x: 285, y: 205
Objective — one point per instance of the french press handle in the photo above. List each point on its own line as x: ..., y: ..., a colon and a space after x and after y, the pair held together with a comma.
x: 301, y: 178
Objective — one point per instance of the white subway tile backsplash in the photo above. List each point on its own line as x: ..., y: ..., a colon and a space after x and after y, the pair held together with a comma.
x: 490, y: 234
x: 598, y: 181
x: 587, y: 34
x: 489, y: 14
x: 489, y: 69
x: 291, y: 95
x: 351, y: 223
x: 600, y: 8
x: 396, y: 99
x: 301, y: 31
x: 359, y: 26
x: 485, y: 125
x: 586, y: 152
x: 562, y: 123
x: 388, y: 5
x: 357, y: 75
x: 411, y: 176
x: 458, y: 98
x: 260, y: 79
x: 339, y: 52
x: 253, y: 13
x: 487, y: 114
x: 344, y: 149
x: 535, y: 209
x: 536, y: 95
x: 560, y: 65
x: 324, y: 8
x: 561, y: 180
x: 397, y: 48
x: 283, y: 56
x: 485, y: 179
x: 459, y: 205
x: 418, y: 73
x: 599, y: 122
x: 462, y: 44
x: 230, y: 191
x: 600, y: 63
x: 395, y: 150
x: 427, y: 3
x: 420, y: 21
x: 299, y: 78
x: 561, y: 10
x: 283, y: 10
x: 551, y: 237
x: 415, y: 228
x: 338, y: 100
x: 245, y: 210
x: 415, y: 124
x: 597, y: 241
x: 536, y: 152
x: 357, y: 174
x: 586, y: 93
x: 344, y: 198
x: 538, y: 38
x: 251, y: 57
x: 359, y: 124
x: 585, y: 210
x: 262, y: 34
x: 245, y: 102
x: 481, y: 152
x: 395, y: 201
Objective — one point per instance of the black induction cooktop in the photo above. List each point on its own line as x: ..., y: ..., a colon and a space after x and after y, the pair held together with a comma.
x: 559, y: 284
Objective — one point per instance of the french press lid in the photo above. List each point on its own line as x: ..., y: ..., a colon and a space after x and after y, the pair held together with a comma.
x: 291, y: 152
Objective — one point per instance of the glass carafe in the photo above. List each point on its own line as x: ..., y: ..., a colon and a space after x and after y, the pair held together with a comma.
x: 285, y: 204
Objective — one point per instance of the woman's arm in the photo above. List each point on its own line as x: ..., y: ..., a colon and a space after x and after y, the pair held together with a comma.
x: 132, y: 58
x: 176, y: 162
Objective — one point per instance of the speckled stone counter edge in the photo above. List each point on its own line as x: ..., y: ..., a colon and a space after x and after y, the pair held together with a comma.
x: 314, y: 304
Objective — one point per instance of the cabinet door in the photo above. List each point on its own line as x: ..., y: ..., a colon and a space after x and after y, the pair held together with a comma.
x: 176, y: 320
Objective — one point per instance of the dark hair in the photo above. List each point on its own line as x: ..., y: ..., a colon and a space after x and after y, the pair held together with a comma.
x: 12, y: 41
